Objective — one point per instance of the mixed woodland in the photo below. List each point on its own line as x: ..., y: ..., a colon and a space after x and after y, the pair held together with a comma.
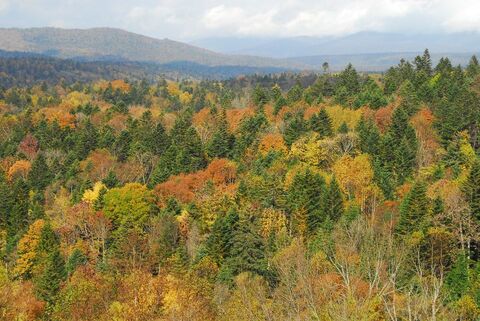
x: 331, y: 196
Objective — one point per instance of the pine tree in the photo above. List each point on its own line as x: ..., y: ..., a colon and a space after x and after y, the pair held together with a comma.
x: 333, y: 201
x: 413, y: 210
x: 322, y: 124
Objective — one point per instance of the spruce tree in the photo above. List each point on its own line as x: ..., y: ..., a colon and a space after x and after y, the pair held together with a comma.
x: 321, y: 124
x: 5, y: 201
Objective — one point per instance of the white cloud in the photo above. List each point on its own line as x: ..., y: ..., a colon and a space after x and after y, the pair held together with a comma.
x: 3, y: 4
x: 187, y: 19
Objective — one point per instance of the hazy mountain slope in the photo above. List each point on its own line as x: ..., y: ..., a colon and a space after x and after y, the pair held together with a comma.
x: 115, y: 44
x: 358, y: 43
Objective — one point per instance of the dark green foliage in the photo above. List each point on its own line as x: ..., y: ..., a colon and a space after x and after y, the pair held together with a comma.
x: 18, y: 218
x: 260, y: 97
x: 220, y: 240
x: 295, y: 94
x: 371, y: 95
x: 473, y: 68
x: 413, y: 210
x: 343, y: 129
x: 47, y: 284
x: 305, y: 194
x: 321, y: 124
x: 369, y: 136
x: 471, y: 190
x: 111, y: 180
x: 248, y: 131
x: 333, y: 201
x: 247, y: 251
x: 39, y: 176
x: 222, y: 142
x: 160, y: 139
x: 76, y: 259
x: 457, y: 280
x: 295, y: 127
x: 122, y: 146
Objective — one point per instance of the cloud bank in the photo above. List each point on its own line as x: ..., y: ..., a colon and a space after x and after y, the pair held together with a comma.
x: 186, y: 19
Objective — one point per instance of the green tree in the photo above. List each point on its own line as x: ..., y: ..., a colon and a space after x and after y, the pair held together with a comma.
x: 222, y: 142
x: 413, y: 210
x: 47, y: 284
x: 471, y: 190
x: 296, y: 126
x: 39, y: 176
x: 333, y: 201
x: 321, y: 123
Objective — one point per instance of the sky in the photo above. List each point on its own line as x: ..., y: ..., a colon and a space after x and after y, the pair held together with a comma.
x: 197, y: 19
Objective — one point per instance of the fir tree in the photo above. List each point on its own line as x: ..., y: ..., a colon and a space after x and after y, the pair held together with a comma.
x: 247, y: 252
x: 457, y: 279
x: 76, y: 259
x: 294, y: 129
x: 111, y: 180
x: 369, y: 136
x: 161, y: 140
x: 322, y: 124
x: 305, y: 195
x: 413, y: 210
x: 471, y: 190
x: 47, y: 284
x: 333, y: 201
x: 221, y: 144
x: 39, y: 175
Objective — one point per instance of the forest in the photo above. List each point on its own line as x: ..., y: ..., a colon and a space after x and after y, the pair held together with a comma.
x: 333, y: 196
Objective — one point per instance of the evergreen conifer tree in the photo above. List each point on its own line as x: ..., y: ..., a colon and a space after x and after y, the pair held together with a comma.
x: 322, y: 124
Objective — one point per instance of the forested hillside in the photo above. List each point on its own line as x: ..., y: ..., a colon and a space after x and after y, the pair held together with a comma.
x: 285, y: 197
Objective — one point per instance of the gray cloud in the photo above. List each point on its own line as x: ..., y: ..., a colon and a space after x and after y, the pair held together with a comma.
x: 187, y: 19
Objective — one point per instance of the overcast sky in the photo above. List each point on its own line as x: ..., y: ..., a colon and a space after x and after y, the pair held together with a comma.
x: 194, y: 19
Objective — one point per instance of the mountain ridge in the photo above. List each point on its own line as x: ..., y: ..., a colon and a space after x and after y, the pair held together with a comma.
x: 98, y: 43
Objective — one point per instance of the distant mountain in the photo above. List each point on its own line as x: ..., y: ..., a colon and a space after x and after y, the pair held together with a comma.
x: 355, y: 44
x: 25, y: 69
x: 376, y: 62
x: 109, y: 44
